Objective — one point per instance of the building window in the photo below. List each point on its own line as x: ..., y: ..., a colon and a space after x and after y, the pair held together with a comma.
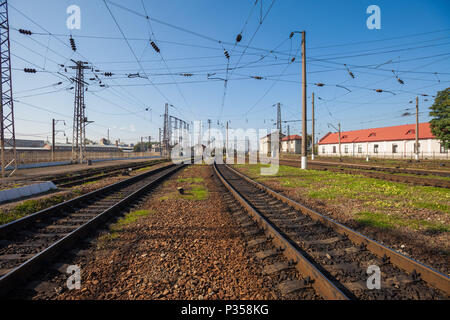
x: 394, y: 148
x: 443, y: 149
x: 323, y: 149
x: 359, y: 149
x: 334, y: 149
x: 375, y: 148
x: 346, y: 149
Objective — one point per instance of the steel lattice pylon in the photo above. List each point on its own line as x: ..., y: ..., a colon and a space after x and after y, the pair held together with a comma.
x: 79, y: 115
x: 7, y: 130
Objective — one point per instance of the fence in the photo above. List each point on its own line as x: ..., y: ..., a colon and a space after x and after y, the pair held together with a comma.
x: 27, y: 157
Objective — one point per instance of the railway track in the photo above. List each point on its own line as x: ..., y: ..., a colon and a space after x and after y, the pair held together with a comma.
x: 419, y: 172
x: 70, y: 180
x: 31, y: 242
x: 421, y: 180
x: 337, y: 259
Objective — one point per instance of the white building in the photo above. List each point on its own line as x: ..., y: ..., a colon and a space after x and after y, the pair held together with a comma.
x: 265, y: 143
x: 389, y: 142
x: 291, y: 144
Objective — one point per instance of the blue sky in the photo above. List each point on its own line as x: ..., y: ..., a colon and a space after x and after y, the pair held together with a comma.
x: 414, y: 41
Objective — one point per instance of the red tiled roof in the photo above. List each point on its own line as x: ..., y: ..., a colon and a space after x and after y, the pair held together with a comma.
x: 292, y: 137
x: 403, y: 132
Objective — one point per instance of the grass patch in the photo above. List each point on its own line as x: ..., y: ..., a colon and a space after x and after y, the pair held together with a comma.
x: 28, y: 207
x: 384, y: 201
x: 117, y: 227
x: 145, y: 169
x: 190, y: 180
x: 90, y: 182
x: 376, y: 220
x: 129, y: 218
x: 384, y: 221
x: 196, y: 192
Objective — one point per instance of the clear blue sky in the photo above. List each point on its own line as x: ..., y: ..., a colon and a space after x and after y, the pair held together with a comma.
x: 414, y: 41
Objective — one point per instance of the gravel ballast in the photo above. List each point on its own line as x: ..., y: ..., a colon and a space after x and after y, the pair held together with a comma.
x: 180, y: 246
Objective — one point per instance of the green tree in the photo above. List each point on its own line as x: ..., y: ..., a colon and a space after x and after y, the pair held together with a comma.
x: 440, y: 111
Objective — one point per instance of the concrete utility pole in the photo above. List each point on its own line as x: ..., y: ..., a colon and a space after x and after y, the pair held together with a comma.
x: 279, y: 125
x: 226, y: 147
x: 312, y: 129
x: 417, y: 129
x: 340, y: 154
x: 149, y: 143
x: 288, y: 142
x: 304, y: 124
x: 339, y: 136
x: 209, y: 131
x: 53, y: 139
x: 166, y: 132
x: 7, y: 129
x: 54, y: 133
x: 160, y: 145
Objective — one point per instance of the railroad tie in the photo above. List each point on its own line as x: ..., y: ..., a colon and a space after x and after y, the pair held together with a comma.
x: 276, y: 267
x: 257, y: 241
x: 261, y: 255
x: 290, y: 286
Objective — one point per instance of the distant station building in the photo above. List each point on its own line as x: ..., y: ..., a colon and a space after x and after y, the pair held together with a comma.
x: 265, y: 143
x: 389, y: 142
x: 291, y: 144
x: 89, y: 147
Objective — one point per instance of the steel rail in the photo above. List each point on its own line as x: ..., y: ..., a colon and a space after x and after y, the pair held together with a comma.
x: 101, y: 174
x: 67, y: 178
x: 321, y: 283
x: 23, y: 271
x: 427, y: 273
x: 420, y: 180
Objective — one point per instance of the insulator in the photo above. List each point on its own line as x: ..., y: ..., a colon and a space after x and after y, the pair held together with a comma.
x: 239, y: 38
x: 351, y: 74
x: 96, y: 70
x: 227, y: 55
x: 92, y: 79
x: 379, y: 90
x: 319, y: 84
x: 187, y: 74
x: 257, y: 77
x: 155, y: 47
x: 292, y: 60
x: 27, y: 32
x: 29, y: 70
x: 400, y: 81
x: 72, y: 44
x: 291, y: 35
x: 108, y: 74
